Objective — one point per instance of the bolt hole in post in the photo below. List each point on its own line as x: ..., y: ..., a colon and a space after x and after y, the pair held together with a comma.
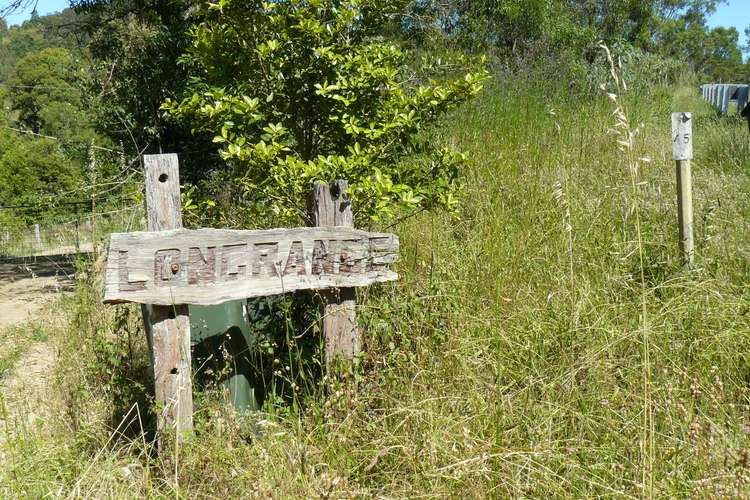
x: 163, y: 178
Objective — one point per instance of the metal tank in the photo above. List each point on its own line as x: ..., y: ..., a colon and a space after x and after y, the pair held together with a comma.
x: 222, y: 343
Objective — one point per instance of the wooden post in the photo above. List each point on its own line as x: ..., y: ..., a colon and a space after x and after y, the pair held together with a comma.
x: 92, y: 180
x: 78, y: 232
x: 37, y: 236
x: 331, y: 206
x: 169, y: 325
x: 682, y: 151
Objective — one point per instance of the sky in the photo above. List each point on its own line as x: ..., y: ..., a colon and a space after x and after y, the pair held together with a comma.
x: 734, y: 13
x: 43, y: 7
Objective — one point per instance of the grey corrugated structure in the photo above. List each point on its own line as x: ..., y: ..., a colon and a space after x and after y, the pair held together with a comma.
x: 720, y: 95
x: 743, y: 96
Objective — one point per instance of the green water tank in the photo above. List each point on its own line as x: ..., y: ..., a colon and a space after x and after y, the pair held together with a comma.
x: 222, y: 342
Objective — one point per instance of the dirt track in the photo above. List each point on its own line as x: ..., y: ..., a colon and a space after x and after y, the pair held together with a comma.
x: 27, y: 283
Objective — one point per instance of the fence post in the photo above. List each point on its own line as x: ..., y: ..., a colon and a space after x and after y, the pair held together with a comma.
x: 92, y: 181
x: 169, y: 325
x: 78, y: 232
x: 331, y: 206
x: 38, y: 236
x: 682, y: 151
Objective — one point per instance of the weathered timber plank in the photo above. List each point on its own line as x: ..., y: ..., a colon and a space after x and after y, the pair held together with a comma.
x: 332, y: 207
x: 211, y: 266
x: 162, y: 177
x: 169, y: 325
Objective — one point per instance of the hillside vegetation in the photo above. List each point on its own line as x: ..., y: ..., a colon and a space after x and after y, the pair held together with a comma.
x: 516, y: 355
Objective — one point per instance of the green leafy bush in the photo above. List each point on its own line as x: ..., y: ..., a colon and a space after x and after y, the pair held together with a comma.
x: 32, y: 171
x: 295, y: 92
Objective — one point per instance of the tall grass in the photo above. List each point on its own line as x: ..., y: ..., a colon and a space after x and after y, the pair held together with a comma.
x: 626, y: 136
x: 545, y: 341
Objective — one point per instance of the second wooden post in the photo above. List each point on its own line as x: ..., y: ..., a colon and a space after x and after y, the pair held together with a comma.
x: 169, y: 325
x: 331, y: 206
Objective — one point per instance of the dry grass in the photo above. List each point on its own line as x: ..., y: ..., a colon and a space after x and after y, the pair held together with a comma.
x: 513, y: 358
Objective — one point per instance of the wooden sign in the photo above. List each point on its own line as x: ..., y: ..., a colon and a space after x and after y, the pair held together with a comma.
x: 682, y: 136
x: 170, y: 268
x: 211, y: 266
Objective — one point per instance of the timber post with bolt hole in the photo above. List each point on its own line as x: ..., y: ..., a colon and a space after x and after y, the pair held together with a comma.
x: 331, y: 206
x: 169, y: 338
x: 682, y: 152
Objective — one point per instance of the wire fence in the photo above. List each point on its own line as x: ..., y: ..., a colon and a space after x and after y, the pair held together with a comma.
x: 78, y: 234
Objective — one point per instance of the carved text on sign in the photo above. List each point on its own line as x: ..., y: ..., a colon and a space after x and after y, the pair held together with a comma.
x: 209, y: 266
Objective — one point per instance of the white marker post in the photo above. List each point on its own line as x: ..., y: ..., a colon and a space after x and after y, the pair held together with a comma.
x: 682, y: 151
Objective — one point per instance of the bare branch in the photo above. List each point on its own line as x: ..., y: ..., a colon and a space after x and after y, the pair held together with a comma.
x: 17, y: 5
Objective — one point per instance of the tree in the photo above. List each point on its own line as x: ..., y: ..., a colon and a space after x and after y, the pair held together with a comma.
x: 692, y: 10
x: 31, y: 170
x: 44, y: 91
x: 136, y: 45
x: 616, y: 20
x: 52, y: 31
x: 507, y: 25
x: 722, y: 57
x: 715, y: 54
x: 295, y: 92
x: 675, y: 29
x: 16, y: 43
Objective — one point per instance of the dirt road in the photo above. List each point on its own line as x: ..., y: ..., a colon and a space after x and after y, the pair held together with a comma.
x: 26, y: 284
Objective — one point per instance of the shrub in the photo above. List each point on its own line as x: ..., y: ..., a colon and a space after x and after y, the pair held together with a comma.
x: 296, y: 92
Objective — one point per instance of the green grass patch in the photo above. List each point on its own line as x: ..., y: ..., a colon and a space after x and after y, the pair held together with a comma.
x: 15, y: 340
